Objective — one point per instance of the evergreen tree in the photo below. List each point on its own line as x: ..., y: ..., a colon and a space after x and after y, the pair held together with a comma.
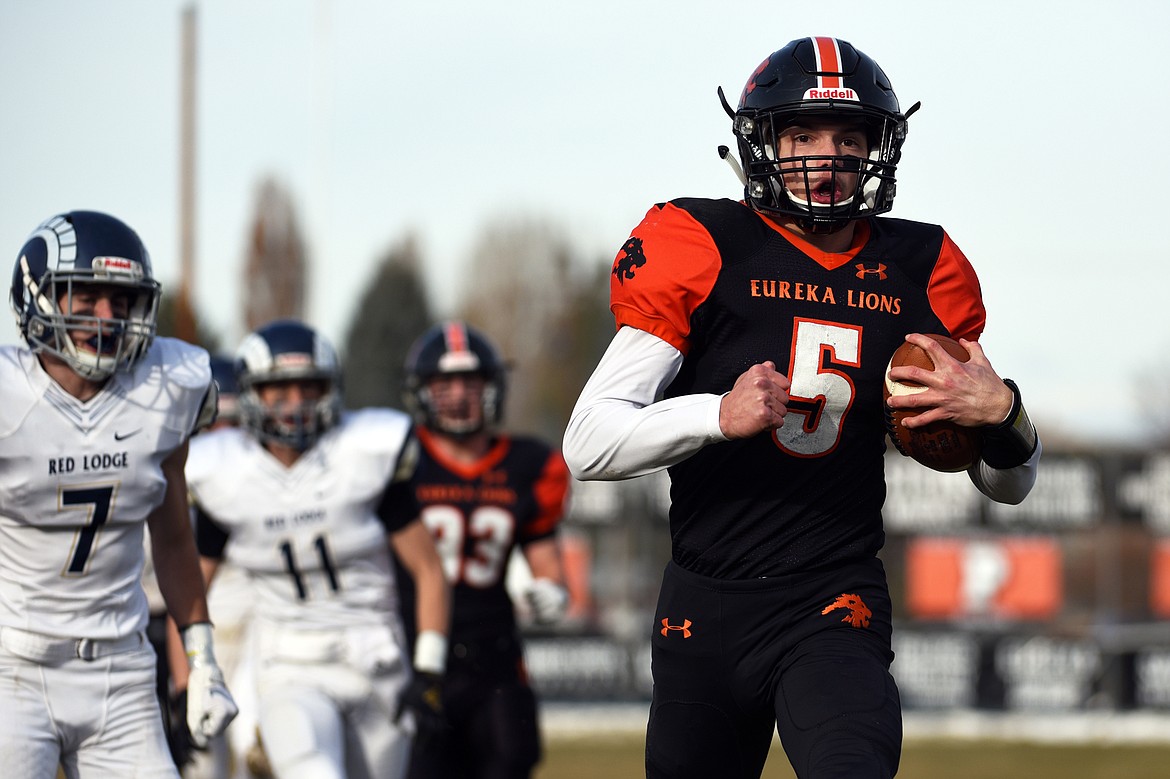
x: 391, y: 314
x: 547, y: 312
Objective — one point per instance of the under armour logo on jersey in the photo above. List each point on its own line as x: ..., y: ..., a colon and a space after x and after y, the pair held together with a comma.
x: 631, y: 257
x: 859, y: 613
x: 879, y: 271
x: 685, y: 627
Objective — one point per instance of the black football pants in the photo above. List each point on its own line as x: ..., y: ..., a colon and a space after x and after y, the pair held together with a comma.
x: 494, y: 732
x: 808, y: 654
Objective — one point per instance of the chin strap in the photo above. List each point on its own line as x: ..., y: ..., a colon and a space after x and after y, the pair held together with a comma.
x: 726, y: 156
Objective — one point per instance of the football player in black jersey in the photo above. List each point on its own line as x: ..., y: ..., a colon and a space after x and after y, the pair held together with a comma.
x: 483, y: 494
x: 752, y: 342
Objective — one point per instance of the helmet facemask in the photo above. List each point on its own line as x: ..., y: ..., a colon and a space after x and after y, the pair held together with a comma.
x: 93, y: 347
x: 281, y: 352
x: 297, y: 426
x: 856, y: 187
x: 454, y: 422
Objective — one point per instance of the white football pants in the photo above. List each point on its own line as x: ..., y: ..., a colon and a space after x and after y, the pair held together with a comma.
x: 98, y: 718
x: 327, y: 702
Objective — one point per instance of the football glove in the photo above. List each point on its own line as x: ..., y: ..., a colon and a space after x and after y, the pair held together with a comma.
x: 210, y: 707
x: 178, y: 736
x: 548, y: 601
x: 423, y: 697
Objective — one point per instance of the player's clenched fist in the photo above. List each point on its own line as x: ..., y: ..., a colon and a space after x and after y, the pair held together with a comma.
x: 757, y: 402
x: 210, y: 708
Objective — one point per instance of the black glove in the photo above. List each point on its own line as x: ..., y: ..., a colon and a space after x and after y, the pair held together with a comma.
x: 178, y: 736
x: 424, y: 697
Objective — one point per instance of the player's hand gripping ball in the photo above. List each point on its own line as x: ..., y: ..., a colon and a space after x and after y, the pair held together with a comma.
x: 941, y: 446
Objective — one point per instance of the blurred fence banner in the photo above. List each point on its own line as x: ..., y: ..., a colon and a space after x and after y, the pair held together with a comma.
x: 1060, y: 604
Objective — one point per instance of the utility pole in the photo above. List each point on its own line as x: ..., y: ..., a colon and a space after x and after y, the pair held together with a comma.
x: 184, y: 308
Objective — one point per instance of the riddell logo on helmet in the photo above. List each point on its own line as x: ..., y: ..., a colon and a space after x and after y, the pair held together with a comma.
x: 292, y: 360
x: 458, y: 362
x: 830, y: 94
x: 118, y: 265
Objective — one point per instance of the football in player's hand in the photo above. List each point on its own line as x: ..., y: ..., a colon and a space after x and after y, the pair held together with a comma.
x: 942, y: 446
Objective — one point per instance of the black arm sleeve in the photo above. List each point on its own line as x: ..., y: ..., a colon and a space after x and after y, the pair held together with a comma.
x: 210, y: 536
x: 398, y: 506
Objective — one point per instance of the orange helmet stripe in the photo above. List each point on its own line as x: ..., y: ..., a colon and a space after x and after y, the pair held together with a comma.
x: 455, y: 335
x: 828, y: 62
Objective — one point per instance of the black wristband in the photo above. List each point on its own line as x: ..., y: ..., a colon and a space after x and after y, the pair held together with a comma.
x: 1011, y: 442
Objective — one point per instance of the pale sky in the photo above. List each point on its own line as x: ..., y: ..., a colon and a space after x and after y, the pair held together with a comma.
x: 441, y: 118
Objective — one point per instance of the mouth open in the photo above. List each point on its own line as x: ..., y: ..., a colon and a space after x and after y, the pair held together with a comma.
x: 98, y: 345
x: 825, y: 192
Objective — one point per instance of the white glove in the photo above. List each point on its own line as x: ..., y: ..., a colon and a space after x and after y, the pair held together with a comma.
x: 548, y: 600
x: 210, y: 707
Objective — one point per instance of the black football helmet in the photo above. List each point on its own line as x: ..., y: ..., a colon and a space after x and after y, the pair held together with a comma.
x: 818, y: 78
x: 288, y: 350
x: 75, y: 249
x: 449, y: 348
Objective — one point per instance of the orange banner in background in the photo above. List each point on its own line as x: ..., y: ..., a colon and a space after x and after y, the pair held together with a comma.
x: 1004, y: 578
x: 1160, y: 579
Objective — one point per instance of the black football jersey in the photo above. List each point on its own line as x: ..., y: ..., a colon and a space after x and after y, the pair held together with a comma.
x: 729, y: 288
x: 478, y: 514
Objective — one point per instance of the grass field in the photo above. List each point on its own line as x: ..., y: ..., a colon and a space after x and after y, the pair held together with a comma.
x: 620, y: 756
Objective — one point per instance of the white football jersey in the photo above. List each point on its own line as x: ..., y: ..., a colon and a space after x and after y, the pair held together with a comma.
x: 308, y: 536
x: 77, y: 482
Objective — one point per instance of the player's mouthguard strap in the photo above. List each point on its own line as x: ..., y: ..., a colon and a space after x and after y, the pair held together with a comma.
x: 1012, y: 441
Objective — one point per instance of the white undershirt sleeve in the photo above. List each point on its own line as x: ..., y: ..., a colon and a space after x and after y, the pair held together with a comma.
x: 621, y: 428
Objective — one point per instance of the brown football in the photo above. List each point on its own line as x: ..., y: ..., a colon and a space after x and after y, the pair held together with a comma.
x: 942, y: 446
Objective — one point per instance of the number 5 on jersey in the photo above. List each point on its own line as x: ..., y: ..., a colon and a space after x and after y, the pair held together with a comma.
x: 820, y: 396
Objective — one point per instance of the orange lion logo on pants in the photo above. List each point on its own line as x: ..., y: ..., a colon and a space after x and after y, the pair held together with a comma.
x: 859, y: 613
